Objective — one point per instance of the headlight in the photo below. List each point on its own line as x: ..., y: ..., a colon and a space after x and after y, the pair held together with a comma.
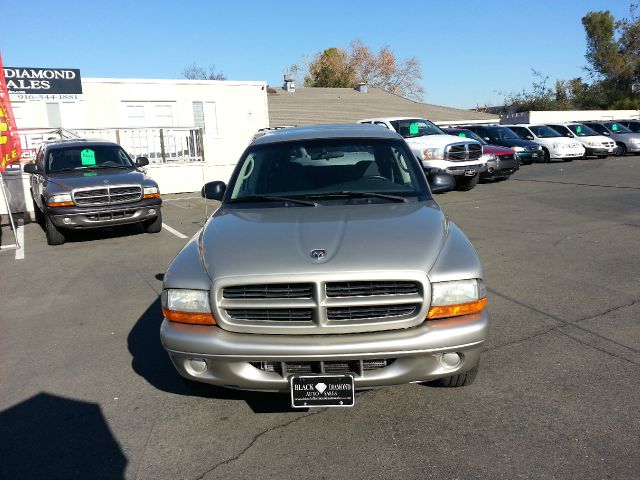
x: 433, y: 153
x: 187, y: 306
x: 634, y: 140
x: 459, y: 297
x: 517, y: 149
x: 151, y: 192
x: 487, y: 157
x: 60, y: 200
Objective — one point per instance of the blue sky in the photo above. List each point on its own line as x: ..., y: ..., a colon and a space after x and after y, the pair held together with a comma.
x: 469, y: 50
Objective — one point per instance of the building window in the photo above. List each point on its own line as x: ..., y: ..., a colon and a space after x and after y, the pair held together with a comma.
x: 210, y: 118
x: 198, y: 114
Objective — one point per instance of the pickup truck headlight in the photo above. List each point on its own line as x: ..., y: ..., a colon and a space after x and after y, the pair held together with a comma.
x: 459, y: 297
x: 187, y: 306
x: 433, y: 153
x: 151, y: 192
x: 60, y: 200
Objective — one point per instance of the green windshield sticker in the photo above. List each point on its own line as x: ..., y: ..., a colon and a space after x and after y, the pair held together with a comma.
x: 88, y: 157
x: 578, y: 129
x: 462, y: 134
x: 614, y: 126
x: 413, y: 129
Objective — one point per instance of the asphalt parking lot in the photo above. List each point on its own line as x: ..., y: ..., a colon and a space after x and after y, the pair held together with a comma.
x: 86, y: 390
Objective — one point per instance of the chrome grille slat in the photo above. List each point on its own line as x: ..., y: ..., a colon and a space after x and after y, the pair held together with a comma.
x: 367, y: 312
x: 356, y: 367
x: 280, y: 290
x: 356, y: 289
x: 460, y: 152
x: 271, y: 314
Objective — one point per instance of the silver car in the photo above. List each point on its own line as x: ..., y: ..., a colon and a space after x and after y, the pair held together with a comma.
x: 328, y: 267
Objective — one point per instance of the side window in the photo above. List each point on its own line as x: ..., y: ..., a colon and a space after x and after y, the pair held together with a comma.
x: 520, y: 131
x: 40, y: 159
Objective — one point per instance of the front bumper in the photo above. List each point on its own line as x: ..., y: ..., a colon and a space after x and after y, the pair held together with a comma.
x: 416, y: 353
x: 599, y: 150
x: 567, y: 153
x: 96, y: 217
x: 530, y: 157
x: 503, y: 168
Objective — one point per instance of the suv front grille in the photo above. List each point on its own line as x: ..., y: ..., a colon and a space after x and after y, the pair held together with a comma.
x: 459, y: 152
x: 361, y: 289
x: 107, y: 195
x: 273, y: 290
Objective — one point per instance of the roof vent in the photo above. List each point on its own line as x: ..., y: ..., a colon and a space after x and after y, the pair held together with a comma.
x: 289, y: 83
x: 362, y: 87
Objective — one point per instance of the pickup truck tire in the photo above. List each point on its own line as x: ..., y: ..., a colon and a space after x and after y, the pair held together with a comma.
x: 53, y: 233
x: 461, y: 380
x: 154, y: 225
x: 465, y: 184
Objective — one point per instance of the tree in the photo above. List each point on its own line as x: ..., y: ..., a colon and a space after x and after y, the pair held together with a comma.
x: 195, y: 72
x: 335, y: 67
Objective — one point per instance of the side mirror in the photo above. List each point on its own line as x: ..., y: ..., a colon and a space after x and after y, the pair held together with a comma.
x: 441, y: 182
x: 142, y: 161
x: 213, y: 190
x: 529, y: 137
x: 570, y: 135
x: 31, y: 168
x: 486, y: 139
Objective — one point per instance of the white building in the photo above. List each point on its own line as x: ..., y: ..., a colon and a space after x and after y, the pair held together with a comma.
x: 192, y: 130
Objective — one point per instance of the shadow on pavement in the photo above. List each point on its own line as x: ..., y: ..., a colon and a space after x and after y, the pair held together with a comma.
x: 48, y: 436
x: 151, y: 362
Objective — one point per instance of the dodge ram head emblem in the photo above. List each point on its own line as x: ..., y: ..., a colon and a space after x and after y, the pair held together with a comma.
x: 318, y: 254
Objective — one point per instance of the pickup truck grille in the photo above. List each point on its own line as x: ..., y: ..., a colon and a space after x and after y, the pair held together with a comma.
x: 361, y: 289
x: 107, y: 195
x: 267, y: 290
x: 461, y: 152
x: 322, y: 306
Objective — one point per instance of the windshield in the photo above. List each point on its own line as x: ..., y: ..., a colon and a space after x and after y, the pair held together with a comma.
x: 413, y: 127
x: 582, y: 130
x: 466, y: 134
x: 616, y: 127
x: 503, y: 133
x: 87, y: 158
x: 542, y: 131
x: 316, y: 168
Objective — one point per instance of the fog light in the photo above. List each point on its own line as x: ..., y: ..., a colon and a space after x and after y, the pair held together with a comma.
x: 198, y: 365
x: 152, y: 211
x: 66, y: 220
x: 450, y: 360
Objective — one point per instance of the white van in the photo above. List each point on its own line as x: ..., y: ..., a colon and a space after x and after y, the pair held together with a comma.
x: 554, y: 145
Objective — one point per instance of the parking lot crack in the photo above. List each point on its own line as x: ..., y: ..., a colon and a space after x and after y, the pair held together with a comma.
x: 255, y: 439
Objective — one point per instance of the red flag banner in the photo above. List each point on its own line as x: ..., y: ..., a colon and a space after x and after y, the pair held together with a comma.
x: 9, y: 139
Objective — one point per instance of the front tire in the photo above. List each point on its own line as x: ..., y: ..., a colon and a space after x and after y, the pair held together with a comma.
x: 55, y: 236
x: 621, y: 151
x: 546, y: 157
x: 154, y: 225
x: 464, y: 184
x: 461, y: 380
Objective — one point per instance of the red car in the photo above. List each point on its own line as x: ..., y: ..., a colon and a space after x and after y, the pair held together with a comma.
x: 503, y: 163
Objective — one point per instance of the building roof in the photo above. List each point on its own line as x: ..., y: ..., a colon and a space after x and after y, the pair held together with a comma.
x: 310, y: 106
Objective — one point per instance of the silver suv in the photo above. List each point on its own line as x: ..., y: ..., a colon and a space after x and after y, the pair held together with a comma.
x: 328, y: 267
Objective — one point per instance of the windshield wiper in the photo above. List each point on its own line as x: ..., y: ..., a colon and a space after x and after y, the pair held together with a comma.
x: 349, y: 194
x: 273, y: 198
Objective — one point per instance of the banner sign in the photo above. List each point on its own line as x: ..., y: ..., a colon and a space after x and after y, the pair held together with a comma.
x: 43, y: 80
x: 9, y: 138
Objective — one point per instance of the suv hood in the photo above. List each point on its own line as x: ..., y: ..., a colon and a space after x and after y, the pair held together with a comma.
x: 96, y: 178
x: 279, y: 240
x: 437, y: 140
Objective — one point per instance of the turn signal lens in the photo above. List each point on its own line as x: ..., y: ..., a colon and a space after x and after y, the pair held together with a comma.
x: 152, y: 195
x: 457, y: 310
x: 60, y: 204
x: 189, y: 317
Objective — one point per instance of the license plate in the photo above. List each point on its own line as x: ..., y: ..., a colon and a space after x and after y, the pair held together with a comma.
x: 322, y: 391
x: 469, y: 172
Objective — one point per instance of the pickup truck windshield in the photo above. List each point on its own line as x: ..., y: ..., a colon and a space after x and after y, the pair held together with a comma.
x: 411, y: 128
x: 328, y: 169
x: 87, y: 158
